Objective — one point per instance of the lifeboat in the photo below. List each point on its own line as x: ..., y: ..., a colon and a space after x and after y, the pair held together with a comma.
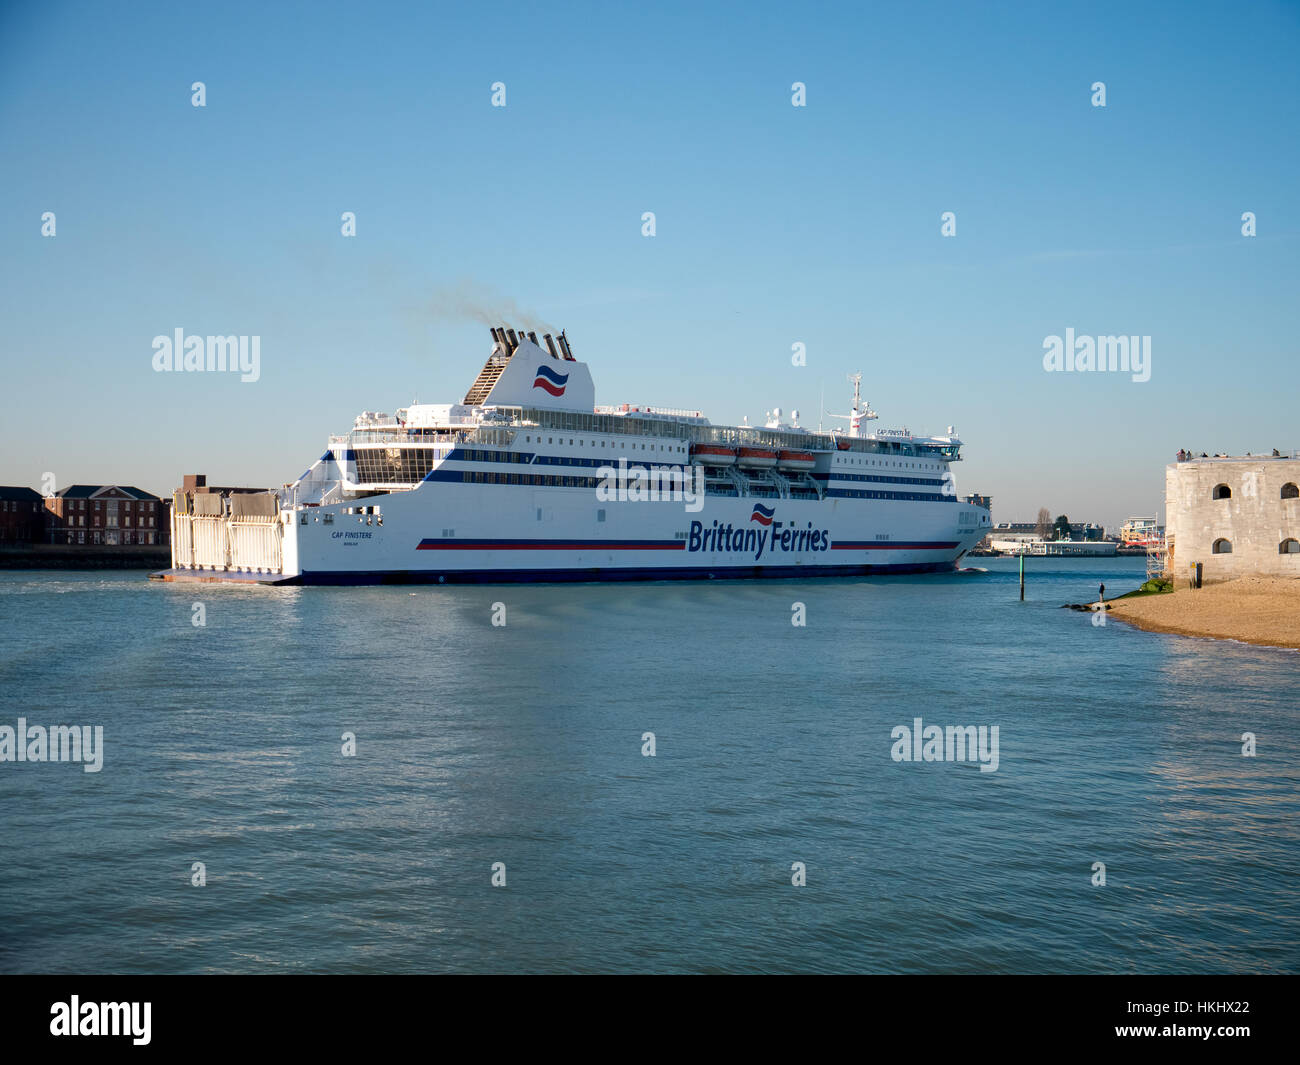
x: 755, y: 458
x: 713, y: 454
x: 796, y: 461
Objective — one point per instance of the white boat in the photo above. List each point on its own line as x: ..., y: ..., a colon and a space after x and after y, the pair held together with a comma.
x: 526, y: 479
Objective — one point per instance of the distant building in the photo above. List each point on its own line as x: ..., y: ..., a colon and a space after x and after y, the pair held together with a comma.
x: 1057, y: 548
x: 105, y: 515
x: 1138, y: 532
x: 1233, y: 516
x: 22, y: 516
x: 1028, y: 530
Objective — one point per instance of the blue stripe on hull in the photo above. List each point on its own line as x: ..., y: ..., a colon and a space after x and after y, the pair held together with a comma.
x: 599, y: 575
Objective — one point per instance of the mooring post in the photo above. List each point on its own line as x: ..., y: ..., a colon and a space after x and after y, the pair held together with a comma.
x: 1022, y: 576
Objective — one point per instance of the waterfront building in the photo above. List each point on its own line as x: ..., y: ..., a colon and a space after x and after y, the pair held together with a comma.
x: 105, y: 515
x: 1138, y: 532
x: 1025, y: 531
x: 22, y: 515
x: 1056, y: 548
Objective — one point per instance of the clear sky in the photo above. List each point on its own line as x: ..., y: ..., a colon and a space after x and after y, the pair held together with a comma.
x: 775, y: 224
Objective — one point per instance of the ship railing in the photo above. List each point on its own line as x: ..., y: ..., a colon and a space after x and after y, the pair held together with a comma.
x: 626, y: 410
x: 411, y: 437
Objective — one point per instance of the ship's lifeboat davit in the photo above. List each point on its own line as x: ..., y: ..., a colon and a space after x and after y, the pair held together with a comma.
x: 796, y: 461
x: 755, y: 458
x: 713, y: 454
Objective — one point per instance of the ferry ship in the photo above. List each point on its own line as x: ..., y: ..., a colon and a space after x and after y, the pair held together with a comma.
x: 526, y: 479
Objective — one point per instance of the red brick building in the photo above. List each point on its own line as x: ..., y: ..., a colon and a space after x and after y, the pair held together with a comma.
x: 22, y: 516
x: 108, y: 515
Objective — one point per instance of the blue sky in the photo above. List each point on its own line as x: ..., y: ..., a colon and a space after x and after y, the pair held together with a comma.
x: 775, y: 224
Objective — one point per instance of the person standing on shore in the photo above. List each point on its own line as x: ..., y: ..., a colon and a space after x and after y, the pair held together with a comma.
x: 1101, y: 594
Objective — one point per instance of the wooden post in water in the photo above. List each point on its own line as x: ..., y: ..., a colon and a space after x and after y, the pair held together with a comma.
x: 1022, y: 576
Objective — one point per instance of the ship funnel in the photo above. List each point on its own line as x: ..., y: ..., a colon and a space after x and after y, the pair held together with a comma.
x: 564, y: 346
x: 550, y: 346
x: 533, y: 337
x: 514, y: 341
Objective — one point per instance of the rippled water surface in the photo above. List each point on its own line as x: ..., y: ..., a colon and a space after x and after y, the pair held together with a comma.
x: 522, y: 744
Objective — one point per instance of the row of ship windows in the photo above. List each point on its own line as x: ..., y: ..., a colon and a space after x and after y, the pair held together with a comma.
x: 883, y: 462
x: 1286, y: 547
x: 1222, y: 491
x: 936, y: 481
x: 550, y: 480
x: 560, y: 481
x: 681, y: 450
x: 851, y: 493
x: 376, y: 466
x: 672, y: 448
x: 474, y: 455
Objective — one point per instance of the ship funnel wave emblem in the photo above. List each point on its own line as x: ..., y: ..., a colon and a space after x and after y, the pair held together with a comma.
x: 549, y: 380
x: 762, y: 514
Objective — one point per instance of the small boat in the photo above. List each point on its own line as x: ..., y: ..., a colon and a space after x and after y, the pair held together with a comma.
x: 755, y: 458
x: 713, y: 454
x: 797, y: 461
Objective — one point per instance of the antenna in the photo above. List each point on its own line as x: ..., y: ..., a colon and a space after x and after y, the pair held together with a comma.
x: 861, y: 412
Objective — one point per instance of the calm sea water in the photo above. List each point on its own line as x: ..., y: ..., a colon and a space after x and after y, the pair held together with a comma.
x: 522, y: 744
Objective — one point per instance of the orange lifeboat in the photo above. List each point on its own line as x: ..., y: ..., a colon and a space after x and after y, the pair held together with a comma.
x: 796, y: 461
x: 713, y: 454
x: 755, y: 458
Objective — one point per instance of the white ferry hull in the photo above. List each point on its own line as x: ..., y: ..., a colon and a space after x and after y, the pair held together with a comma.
x: 447, y: 533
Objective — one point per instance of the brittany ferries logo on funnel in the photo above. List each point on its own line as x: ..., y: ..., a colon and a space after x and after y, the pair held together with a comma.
x: 762, y: 514
x: 551, y: 381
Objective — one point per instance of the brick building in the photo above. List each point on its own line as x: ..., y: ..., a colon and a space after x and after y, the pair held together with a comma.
x: 108, y: 515
x: 22, y: 516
